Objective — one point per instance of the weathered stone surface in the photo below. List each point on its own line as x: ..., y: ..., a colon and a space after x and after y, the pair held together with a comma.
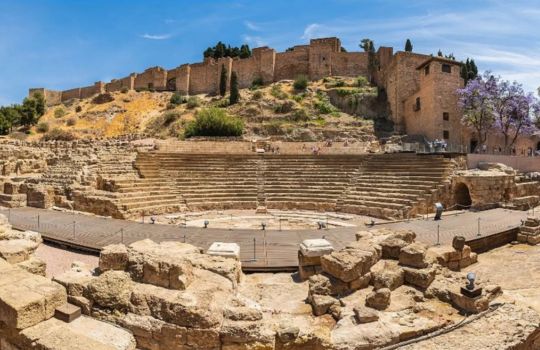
x: 27, y: 299
x: 316, y: 247
x: 287, y: 334
x: 111, y: 290
x: 323, y: 284
x: 361, y: 282
x: 420, y: 278
x: 321, y: 304
x: 458, y: 242
x: 75, y: 282
x: 351, y: 262
x: 378, y: 299
x: 113, y: 257
x: 387, y: 274
x: 226, y: 250
x: 34, y: 265
x: 17, y: 250
x: 391, y: 247
x: 365, y: 314
x: 413, y: 255
x: 82, y: 334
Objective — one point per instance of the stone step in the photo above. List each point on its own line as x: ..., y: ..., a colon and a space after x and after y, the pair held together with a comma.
x: 151, y: 203
x: 373, y: 203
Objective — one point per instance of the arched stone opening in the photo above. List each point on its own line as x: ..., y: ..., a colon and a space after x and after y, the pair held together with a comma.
x: 171, y: 84
x: 462, y: 196
x: 538, y: 146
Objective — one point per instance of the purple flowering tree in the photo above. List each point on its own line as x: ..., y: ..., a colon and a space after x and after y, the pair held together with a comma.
x: 475, y: 100
x: 492, y: 104
x: 513, y: 111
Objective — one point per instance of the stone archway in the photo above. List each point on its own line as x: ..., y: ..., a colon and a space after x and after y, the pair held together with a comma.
x: 538, y: 146
x: 462, y: 196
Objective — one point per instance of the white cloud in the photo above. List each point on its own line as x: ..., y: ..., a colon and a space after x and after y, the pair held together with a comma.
x: 252, y: 26
x: 156, y: 36
x: 313, y: 30
x: 255, y: 41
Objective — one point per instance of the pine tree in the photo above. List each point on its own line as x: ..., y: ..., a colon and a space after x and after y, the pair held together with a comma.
x: 223, y: 81
x: 235, y: 95
x: 245, y: 52
x: 408, y: 46
x: 439, y: 53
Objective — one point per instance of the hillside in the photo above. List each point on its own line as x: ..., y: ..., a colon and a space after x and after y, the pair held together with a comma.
x: 276, y: 111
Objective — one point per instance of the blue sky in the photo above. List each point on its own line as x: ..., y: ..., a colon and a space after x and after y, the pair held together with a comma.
x: 61, y: 44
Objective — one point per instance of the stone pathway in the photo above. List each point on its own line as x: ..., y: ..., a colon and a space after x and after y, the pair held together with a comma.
x: 260, y: 250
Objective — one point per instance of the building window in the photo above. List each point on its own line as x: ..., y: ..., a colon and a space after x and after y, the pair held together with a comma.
x: 446, y: 134
x: 426, y: 70
x: 446, y: 68
x: 446, y: 116
x: 417, y: 105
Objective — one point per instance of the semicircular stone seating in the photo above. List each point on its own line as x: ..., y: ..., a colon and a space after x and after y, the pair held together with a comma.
x: 384, y: 185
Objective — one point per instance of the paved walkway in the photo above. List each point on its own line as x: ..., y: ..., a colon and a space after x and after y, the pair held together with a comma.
x: 259, y: 249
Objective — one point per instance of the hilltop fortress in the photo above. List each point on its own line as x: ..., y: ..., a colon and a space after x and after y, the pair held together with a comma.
x: 420, y: 89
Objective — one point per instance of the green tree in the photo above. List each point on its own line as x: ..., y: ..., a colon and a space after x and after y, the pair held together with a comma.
x: 214, y: 122
x: 367, y: 45
x: 439, y: 53
x: 469, y: 70
x: 235, y: 94
x: 408, y: 46
x: 10, y: 117
x: 223, y: 81
x: 245, y: 51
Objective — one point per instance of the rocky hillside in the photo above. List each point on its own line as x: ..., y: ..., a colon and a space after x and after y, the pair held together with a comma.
x: 277, y: 110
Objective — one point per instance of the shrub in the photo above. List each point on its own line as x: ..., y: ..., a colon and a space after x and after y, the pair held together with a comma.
x: 257, y: 83
x: 362, y: 81
x: 339, y: 83
x: 324, y: 107
x: 298, y: 98
x: 177, y: 99
x: 59, y: 112
x: 300, y: 83
x: 58, y: 135
x: 103, y: 98
x: 300, y: 115
x: 124, y: 90
x: 193, y: 102
x: 274, y: 127
x: 169, y: 117
x: 78, y: 109
x: 214, y: 122
x: 257, y: 95
x: 277, y: 92
x: 42, y: 127
x: 235, y: 93
x: 284, y: 107
x: 71, y: 121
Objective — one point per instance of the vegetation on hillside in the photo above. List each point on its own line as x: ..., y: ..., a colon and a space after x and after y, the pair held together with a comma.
x: 24, y: 115
x: 214, y: 122
x: 221, y: 50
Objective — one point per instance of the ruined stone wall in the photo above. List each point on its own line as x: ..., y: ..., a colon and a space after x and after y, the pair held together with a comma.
x: 321, y: 54
x: 122, y: 83
x: 152, y: 78
x: 71, y: 94
x: 88, y: 91
x: 349, y: 63
x: 183, y: 74
x: 203, y: 77
x: 291, y: 64
x: 52, y: 97
x: 259, y: 65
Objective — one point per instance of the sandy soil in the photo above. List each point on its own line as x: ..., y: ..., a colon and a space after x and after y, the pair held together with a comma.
x: 59, y: 260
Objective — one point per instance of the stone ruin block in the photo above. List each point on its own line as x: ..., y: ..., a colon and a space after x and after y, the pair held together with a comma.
x: 413, y: 255
x: 113, y: 257
x: 226, y: 250
x: 309, y: 256
x: 27, y: 299
x: 420, y: 278
x: 529, y: 232
x: 378, y: 299
x: 40, y: 196
x: 387, y: 274
x: 17, y: 250
x: 352, y: 262
x: 451, y: 258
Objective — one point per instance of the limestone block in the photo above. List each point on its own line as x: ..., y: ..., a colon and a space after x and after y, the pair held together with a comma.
x: 361, y: 282
x: 413, y: 255
x: 308, y: 260
x: 387, y: 274
x: 197, y: 309
x: 113, y: 257
x: 83, y: 333
x: 316, y: 247
x: 469, y: 260
x: 305, y: 272
x: 323, y: 284
x: 34, y: 265
x: 379, y: 299
x: 17, y: 250
x: 226, y: 250
x: 287, y: 334
x: 351, y: 262
x: 321, y: 304
x: 27, y: 299
x: 245, y: 332
x: 111, y: 290
x: 365, y: 314
x: 243, y: 313
x: 75, y: 282
x: 391, y: 247
x: 203, y: 338
x: 421, y: 278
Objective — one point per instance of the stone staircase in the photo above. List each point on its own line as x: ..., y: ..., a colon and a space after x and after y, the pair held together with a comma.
x: 395, y: 185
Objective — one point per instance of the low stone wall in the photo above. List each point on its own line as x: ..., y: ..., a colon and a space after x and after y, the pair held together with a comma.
x: 524, y: 164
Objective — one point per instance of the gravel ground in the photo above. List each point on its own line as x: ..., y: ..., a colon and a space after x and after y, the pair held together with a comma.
x: 59, y: 260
